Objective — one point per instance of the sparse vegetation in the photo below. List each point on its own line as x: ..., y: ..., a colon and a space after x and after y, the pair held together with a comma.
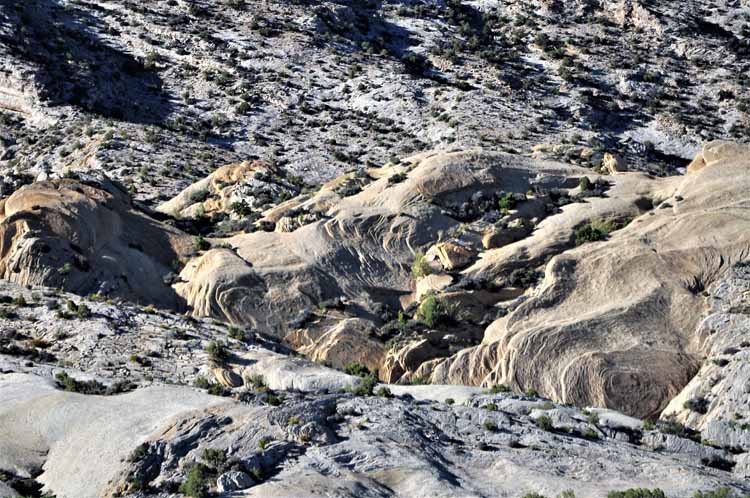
x: 420, y: 268
x: 545, y: 423
x: 637, y: 493
x: 217, y: 351
x: 593, y: 231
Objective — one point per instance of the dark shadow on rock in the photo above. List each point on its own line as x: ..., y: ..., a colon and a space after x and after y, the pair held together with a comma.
x: 75, y: 65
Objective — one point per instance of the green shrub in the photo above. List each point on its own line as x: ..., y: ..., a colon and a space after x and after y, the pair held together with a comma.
x: 420, y: 268
x: 366, y: 386
x: 274, y: 399
x: 237, y: 333
x: 594, y: 231
x: 65, y: 269
x: 489, y: 425
x: 584, y: 183
x: 356, y: 368
x: 716, y: 493
x: 545, y: 423
x: 196, y: 483
x: 70, y: 384
x: 201, y: 244
x: 217, y: 351
x: 590, y: 433
x: 433, y: 311
x: 199, y: 195
x: 698, y: 404
x: 506, y: 202
x: 396, y: 178
x: 139, y: 453
x: 258, y: 382
x: 498, y: 388
x: 214, y: 457
x: 637, y: 493
x: 384, y: 392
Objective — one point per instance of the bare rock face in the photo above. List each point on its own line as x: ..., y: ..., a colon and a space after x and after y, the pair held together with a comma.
x: 614, y: 323
x: 361, y: 248
x: 716, y: 401
x: 349, y: 341
x: 88, y: 238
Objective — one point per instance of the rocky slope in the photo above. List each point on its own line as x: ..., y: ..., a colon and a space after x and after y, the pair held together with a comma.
x: 291, y: 431
x: 323, y: 87
x: 374, y: 248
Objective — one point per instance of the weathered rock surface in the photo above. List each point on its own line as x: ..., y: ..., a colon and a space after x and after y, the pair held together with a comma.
x: 618, y: 318
x: 88, y: 238
x: 716, y: 400
x: 375, y: 447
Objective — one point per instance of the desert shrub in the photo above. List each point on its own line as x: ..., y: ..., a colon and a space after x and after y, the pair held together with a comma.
x: 201, y: 244
x: 258, y: 382
x: 197, y: 482
x: 397, y: 178
x: 584, y: 183
x: 237, y: 333
x: 199, y: 195
x: 545, y: 423
x: 506, y: 202
x: 498, y: 388
x: 70, y: 384
x: 523, y: 277
x: 591, y: 434
x: 273, y: 399
x: 594, y: 231
x: 420, y: 268
x: 637, y: 493
x: 217, y: 351
x: 384, y: 392
x: 366, y: 386
x: 698, y: 404
x: 356, y: 368
x: 491, y: 407
x: 716, y: 493
x: 139, y: 453
x: 214, y: 457
x: 433, y: 311
x: 677, y: 429
x: 489, y: 425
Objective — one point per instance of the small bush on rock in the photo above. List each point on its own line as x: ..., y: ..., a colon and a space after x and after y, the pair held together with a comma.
x: 545, y: 423
x: 420, y: 268
x: 594, y: 231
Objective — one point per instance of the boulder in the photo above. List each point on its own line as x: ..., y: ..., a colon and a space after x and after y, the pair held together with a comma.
x: 227, y: 378
x: 431, y: 284
x: 452, y: 256
x: 348, y: 341
x: 503, y: 236
x: 233, y: 480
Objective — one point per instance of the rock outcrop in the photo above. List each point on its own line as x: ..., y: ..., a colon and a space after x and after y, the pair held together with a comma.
x: 88, y: 238
x: 617, y: 319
